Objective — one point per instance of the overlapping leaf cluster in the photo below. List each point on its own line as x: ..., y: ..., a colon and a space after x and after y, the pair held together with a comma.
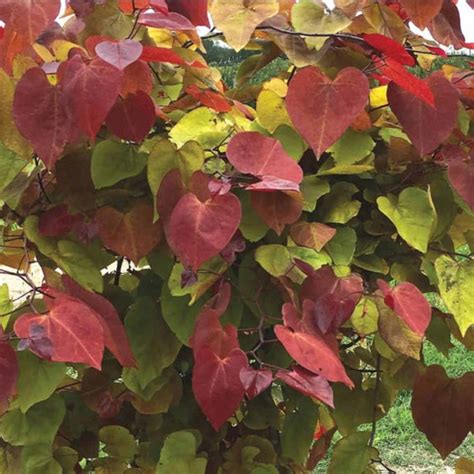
x: 230, y: 277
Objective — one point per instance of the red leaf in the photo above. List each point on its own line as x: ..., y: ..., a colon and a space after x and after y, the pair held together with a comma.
x: 133, y: 117
x: 426, y: 126
x: 119, y: 53
x: 195, y: 10
x: 72, y: 327
x: 209, y: 332
x: 422, y: 12
x: 255, y: 381
x: 270, y: 183
x: 212, y: 99
x: 136, y: 78
x: 395, y: 72
x: 442, y: 408
x: 309, y: 384
x: 170, y: 192
x: 29, y: 18
x: 8, y: 374
x: 409, y: 303
x: 446, y: 26
x: 313, y: 353
x: 278, y: 208
x: 390, y: 48
x: 461, y: 177
x: 311, y: 234
x: 253, y: 153
x: 216, y: 384
x: 132, y: 234
x: 90, y: 91
x: 166, y: 55
x: 128, y: 6
x: 40, y: 116
x: 57, y: 222
x: 115, y: 337
x: 199, y: 230
x: 321, y: 109
x: 172, y: 21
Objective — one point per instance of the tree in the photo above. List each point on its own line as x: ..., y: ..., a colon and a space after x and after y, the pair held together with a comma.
x: 230, y: 276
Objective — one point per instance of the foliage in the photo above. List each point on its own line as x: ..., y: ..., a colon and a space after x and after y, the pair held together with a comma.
x: 231, y: 277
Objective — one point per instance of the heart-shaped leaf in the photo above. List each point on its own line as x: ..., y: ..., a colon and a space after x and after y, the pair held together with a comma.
x: 421, y: 12
x: 199, y: 230
x: 255, y: 381
x: 132, y: 234
x: 119, y: 53
x: 461, y: 177
x: 426, y: 126
x: 195, y: 10
x: 321, y: 109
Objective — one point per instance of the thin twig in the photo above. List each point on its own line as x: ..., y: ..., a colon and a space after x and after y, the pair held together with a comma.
x: 376, y: 396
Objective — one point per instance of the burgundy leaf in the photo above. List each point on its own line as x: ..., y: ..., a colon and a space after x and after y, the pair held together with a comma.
x: 255, y: 381
x: 119, y: 53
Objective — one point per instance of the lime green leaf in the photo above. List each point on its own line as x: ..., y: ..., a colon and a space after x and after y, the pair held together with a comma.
x: 5, y: 305
x: 341, y: 247
x: 352, y: 147
x: 291, y: 140
x: 313, y: 188
x: 119, y: 443
x: 271, y: 110
x: 38, y: 459
x: 275, y: 259
x: 365, y: 316
x: 337, y: 206
x: 46, y: 375
x: 413, y: 215
x: 113, y: 161
x: 456, y: 280
x: 39, y: 425
x: 352, y: 454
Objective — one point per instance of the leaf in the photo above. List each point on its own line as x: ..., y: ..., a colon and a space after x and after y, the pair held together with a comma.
x: 194, y: 10
x: 365, y: 317
x: 112, y: 162
x: 312, y: 352
x: 313, y: 188
x: 119, y: 53
x: 75, y: 333
x: 271, y: 110
x: 153, y: 345
x: 253, y: 153
x: 29, y: 18
x: 310, y: 17
x: 133, y: 117
x: 340, y: 101
x: 8, y: 374
x: 10, y: 136
x: 119, y: 442
x: 274, y: 259
x: 238, y: 19
x: 390, y: 48
x: 352, y: 147
x: 167, y: 55
x: 212, y: 99
x: 255, y: 381
x: 170, y: 21
x: 342, y: 246
x: 309, y: 384
x: 277, y: 208
x: 38, y: 459
x: 115, y: 338
x: 446, y: 26
x: 47, y: 126
x: 352, y: 454
x: 179, y: 452
x: 132, y: 234
x: 426, y: 126
x: 440, y: 407
x: 311, y: 234
x: 464, y: 465
x: 413, y: 215
x: 39, y: 425
x: 409, y: 303
x: 385, y: 21
x: 421, y: 12
x: 216, y: 384
x: 337, y: 206
x: 298, y: 429
x: 47, y: 377
x: 199, y: 229
x: 57, y: 222
x: 455, y: 280
x: 461, y: 176
x: 89, y: 91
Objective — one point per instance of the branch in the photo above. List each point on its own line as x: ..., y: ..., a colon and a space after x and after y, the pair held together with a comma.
x: 376, y: 396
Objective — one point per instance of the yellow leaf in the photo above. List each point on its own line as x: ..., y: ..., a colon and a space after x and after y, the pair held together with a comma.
x: 378, y: 96
x: 61, y: 49
x: 271, y: 110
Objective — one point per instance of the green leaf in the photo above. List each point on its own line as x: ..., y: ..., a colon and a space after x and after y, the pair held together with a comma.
x: 365, y: 316
x: 352, y: 454
x: 342, y: 246
x: 6, y: 305
x: 10, y: 166
x: 119, y: 443
x: 38, y: 459
x: 291, y: 140
x: 413, y: 215
x: 456, y: 283
x: 298, y: 430
x: 46, y: 375
x: 313, y: 188
x: 154, y: 346
x: 179, y: 455
x: 337, y: 206
x: 67, y: 458
x: 113, y: 161
x: 38, y: 426
x: 352, y: 147
x: 274, y: 259
x: 251, y: 226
